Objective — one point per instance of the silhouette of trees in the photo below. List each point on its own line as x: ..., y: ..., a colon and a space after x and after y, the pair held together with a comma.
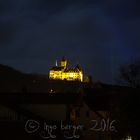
x: 125, y: 104
x: 130, y: 74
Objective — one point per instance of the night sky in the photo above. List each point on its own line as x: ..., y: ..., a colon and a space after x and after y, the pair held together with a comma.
x: 100, y: 35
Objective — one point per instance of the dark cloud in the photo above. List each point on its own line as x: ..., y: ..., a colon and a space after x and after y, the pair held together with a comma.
x: 132, y: 33
x: 7, y: 33
x: 122, y: 9
x: 5, y: 6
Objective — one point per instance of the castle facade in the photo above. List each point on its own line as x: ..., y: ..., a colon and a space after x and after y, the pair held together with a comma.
x: 62, y: 72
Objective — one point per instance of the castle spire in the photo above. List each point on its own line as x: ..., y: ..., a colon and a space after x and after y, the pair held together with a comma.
x: 56, y: 63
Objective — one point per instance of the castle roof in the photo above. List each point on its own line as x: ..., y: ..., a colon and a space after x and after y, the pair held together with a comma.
x: 78, y: 67
x: 57, y: 68
x: 63, y: 59
x: 75, y: 69
x: 60, y: 68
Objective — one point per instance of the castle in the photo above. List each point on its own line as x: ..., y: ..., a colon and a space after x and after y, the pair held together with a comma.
x: 62, y: 72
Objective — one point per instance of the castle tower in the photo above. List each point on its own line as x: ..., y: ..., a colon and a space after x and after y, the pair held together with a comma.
x: 56, y: 63
x: 64, y: 63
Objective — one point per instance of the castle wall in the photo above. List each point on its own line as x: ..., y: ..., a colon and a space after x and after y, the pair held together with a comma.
x: 70, y: 76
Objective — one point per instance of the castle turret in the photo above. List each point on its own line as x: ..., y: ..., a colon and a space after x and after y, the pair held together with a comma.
x: 64, y: 63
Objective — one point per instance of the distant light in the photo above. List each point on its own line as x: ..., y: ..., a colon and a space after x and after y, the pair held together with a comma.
x: 51, y: 91
x: 128, y: 138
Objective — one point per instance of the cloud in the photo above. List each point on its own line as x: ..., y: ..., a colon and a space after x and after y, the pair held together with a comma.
x: 75, y: 27
x: 131, y: 30
x: 121, y: 9
x: 7, y: 33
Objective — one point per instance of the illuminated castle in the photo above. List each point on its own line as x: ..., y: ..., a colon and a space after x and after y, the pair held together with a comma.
x: 61, y: 72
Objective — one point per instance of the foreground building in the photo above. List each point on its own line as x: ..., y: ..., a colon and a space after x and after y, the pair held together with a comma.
x: 62, y: 72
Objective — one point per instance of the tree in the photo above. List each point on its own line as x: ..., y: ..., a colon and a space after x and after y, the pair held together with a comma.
x: 125, y: 106
x: 130, y: 74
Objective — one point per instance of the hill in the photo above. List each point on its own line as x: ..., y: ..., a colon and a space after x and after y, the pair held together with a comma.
x: 12, y: 80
